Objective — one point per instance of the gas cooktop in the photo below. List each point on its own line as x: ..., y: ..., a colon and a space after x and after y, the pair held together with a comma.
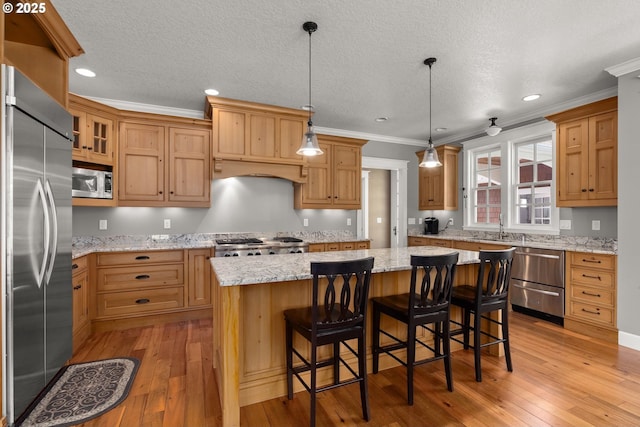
x: 247, y: 241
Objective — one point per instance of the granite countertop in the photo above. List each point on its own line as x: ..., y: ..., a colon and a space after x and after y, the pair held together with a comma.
x: 567, y: 243
x: 286, y: 267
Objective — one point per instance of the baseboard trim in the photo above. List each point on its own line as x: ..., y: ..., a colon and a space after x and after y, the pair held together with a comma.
x: 626, y: 339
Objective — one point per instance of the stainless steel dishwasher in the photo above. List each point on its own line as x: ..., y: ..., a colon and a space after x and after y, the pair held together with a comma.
x: 537, y: 283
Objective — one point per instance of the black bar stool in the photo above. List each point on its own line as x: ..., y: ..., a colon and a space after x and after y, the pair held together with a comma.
x: 491, y: 293
x: 335, y: 317
x: 427, y: 303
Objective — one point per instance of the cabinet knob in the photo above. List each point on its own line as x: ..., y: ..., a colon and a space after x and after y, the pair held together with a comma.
x: 159, y: 192
x: 170, y: 192
x: 592, y: 190
x: 584, y: 190
x: 75, y: 288
x: 74, y: 266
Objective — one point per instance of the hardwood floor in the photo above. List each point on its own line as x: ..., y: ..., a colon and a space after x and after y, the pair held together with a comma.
x: 560, y: 378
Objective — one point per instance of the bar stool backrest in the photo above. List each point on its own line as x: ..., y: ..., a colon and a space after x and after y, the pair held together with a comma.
x: 436, y: 284
x: 494, y: 276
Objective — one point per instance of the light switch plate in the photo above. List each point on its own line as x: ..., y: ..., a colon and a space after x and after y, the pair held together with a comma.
x: 412, y: 221
x: 595, y: 224
x: 305, y: 222
x: 379, y: 220
x: 348, y: 221
x: 167, y: 224
x: 103, y: 224
x: 565, y: 224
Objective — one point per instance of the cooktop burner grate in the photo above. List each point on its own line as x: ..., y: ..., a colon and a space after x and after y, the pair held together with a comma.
x: 287, y: 239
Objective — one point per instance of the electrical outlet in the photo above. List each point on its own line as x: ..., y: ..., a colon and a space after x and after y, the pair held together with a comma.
x: 565, y: 224
x: 595, y: 224
x: 450, y: 221
x: 419, y: 220
x: 305, y: 222
x: 167, y: 224
x: 379, y: 220
x: 348, y: 221
x: 103, y: 224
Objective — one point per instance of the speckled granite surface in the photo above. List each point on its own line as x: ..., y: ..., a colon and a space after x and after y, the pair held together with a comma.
x: 568, y: 243
x: 282, y: 268
x: 84, y: 245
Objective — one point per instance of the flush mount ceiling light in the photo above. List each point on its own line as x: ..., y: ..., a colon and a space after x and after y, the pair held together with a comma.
x: 85, y: 72
x: 381, y: 119
x: 211, y: 92
x: 309, y: 146
x: 531, y: 97
x: 430, y: 159
x: 493, y: 129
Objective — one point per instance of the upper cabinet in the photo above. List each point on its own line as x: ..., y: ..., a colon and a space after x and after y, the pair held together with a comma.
x: 164, y: 162
x: 40, y: 45
x: 93, y: 131
x: 438, y: 187
x: 333, y: 178
x: 587, y: 155
x: 256, y: 139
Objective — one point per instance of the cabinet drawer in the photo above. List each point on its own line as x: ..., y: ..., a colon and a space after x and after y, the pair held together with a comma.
x: 332, y: 246
x: 593, y: 313
x: 78, y: 265
x: 139, y: 302
x: 598, y: 296
x: 316, y: 247
x: 347, y: 246
x: 603, y: 261
x: 138, y: 277
x: 362, y: 245
x: 593, y: 277
x: 148, y: 257
x: 417, y: 241
x: 439, y: 243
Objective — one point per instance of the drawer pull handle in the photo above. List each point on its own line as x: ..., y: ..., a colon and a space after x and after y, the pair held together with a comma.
x: 74, y: 266
x: 142, y: 277
x: 141, y: 257
x: 590, y: 294
x: 597, y: 261
x: 591, y: 312
x: 143, y: 301
x: 591, y: 277
x: 75, y: 288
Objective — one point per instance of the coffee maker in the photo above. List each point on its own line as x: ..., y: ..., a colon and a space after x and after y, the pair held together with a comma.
x: 431, y: 224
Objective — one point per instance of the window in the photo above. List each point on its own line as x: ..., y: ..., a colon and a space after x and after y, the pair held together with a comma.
x: 534, y: 163
x: 509, y: 179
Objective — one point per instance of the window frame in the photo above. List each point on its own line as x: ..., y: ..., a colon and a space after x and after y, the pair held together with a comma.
x: 506, y: 142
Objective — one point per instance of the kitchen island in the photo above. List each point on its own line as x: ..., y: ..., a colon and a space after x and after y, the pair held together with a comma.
x: 250, y: 295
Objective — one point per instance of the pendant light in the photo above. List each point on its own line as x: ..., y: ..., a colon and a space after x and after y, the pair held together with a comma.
x: 493, y: 128
x: 430, y: 159
x: 309, y: 146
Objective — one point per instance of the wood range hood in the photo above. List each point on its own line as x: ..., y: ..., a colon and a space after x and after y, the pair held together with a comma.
x: 252, y: 139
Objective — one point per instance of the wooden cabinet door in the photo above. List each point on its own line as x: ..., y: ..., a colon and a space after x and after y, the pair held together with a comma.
x: 229, y: 133
x: 141, y: 166
x: 79, y: 145
x: 199, y: 281
x: 80, y: 303
x: 291, y: 132
x: 603, y: 156
x: 317, y: 190
x: 430, y: 188
x: 100, y: 140
x: 189, y: 165
x: 346, y: 176
x: 573, y: 160
x: 262, y: 136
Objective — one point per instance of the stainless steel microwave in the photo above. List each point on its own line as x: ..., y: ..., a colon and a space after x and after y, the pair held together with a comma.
x: 93, y: 184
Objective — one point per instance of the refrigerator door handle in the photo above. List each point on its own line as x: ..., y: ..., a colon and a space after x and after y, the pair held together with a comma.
x: 47, y: 233
x: 53, y: 241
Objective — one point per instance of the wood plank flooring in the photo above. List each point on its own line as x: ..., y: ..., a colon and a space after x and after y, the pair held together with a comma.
x: 560, y: 379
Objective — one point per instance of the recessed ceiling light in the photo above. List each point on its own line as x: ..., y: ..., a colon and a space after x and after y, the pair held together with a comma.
x: 85, y: 72
x: 532, y: 97
x: 381, y: 119
x: 440, y: 129
x: 211, y: 92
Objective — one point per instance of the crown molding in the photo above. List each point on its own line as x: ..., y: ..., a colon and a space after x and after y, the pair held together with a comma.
x: 149, y: 108
x: 370, y: 136
x: 624, y: 68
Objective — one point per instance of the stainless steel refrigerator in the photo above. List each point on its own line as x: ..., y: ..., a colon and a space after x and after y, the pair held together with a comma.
x: 36, y: 238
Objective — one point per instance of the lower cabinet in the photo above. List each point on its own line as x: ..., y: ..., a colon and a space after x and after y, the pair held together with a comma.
x: 427, y: 241
x: 590, y: 305
x: 81, y: 328
x: 139, y: 287
x: 339, y: 246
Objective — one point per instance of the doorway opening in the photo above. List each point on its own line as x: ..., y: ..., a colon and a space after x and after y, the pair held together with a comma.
x: 395, y: 197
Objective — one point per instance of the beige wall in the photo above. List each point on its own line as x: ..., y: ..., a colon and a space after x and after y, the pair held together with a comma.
x: 379, y: 207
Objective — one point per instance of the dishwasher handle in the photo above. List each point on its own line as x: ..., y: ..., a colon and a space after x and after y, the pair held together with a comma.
x: 540, y: 291
x: 537, y: 255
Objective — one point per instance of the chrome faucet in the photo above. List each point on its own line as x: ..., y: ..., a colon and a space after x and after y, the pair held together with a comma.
x: 501, y: 233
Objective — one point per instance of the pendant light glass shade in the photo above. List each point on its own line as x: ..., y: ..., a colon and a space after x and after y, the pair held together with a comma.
x: 309, y: 145
x: 430, y: 158
x: 493, y: 128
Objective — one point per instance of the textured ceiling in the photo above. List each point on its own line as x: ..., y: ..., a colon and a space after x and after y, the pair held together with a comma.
x: 367, y: 56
